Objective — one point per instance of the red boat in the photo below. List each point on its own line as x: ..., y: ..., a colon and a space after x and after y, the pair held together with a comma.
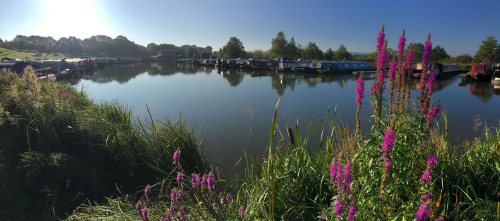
x: 481, y: 71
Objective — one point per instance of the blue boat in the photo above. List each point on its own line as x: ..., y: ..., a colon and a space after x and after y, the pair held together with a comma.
x: 324, y: 67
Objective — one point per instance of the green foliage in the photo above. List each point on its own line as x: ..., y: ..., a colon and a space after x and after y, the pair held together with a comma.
x: 292, y: 50
x: 233, y: 49
x: 312, y: 52
x: 119, y: 46
x: 191, y: 52
x: 343, y: 54
x: 489, y: 49
x: 465, y: 58
x: 329, y: 55
x: 279, y: 44
x: 57, y: 151
x: 258, y: 54
x: 439, y: 54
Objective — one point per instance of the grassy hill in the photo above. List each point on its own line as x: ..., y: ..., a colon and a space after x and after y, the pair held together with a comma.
x: 33, y: 54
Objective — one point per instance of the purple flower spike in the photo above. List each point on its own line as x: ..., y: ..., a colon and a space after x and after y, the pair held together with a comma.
x: 204, y: 180
x: 181, y: 215
x: 360, y: 90
x: 180, y: 178
x: 173, y: 196
x: 423, y: 212
x: 172, y: 209
x: 409, y: 60
x: 440, y: 219
x: 145, y: 213
x: 147, y: 191
x: 168, y: 217
x: 180, y: 194
x: 352, y: 211
x: 177, y: 156
x: 210, y: 181
x: 138, y: 206
x: 228, y: 198
x: 195, y: 180
x: 242, y: 212
x: 323, y: 215
x: 339, y: 206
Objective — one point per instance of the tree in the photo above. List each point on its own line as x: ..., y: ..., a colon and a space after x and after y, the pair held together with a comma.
x: 192, y: 52
x: 343, y: 54
x: 291, y: 49
x: 329, y: 55
x: 234, y: 48
x: 489, y: 49
x: 418, y: 49
x: 279, y: 45
x: 312, y: 52
x: 258, y: 54
x: 465, y: 58
x: 438, y: 53
x: 1, y: 41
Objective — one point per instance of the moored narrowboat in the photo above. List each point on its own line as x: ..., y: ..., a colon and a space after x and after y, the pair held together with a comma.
x: 286, y: 64
x: 495, y: 78
x: 481, y: 71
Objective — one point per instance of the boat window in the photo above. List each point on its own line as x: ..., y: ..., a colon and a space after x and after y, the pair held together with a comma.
x: 268, y: 63
x: 479, y: 68
x: 346, y: 65
x: 355, y: 65
x: 362, y: 65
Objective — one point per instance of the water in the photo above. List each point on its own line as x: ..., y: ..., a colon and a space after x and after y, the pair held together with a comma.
x: 230, y: 104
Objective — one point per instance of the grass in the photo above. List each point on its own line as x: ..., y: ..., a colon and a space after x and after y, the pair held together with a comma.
x: 73, y: 149
x: 33, y: 55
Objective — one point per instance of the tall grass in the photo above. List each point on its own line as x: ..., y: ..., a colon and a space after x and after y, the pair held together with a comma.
x: 60, y: 148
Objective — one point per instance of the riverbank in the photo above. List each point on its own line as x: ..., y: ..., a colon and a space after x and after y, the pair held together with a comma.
x: 63, y: 153
x: 60, y: 149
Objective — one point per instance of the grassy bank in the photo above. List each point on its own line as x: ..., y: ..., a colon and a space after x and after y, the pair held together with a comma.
x: 59, y: 148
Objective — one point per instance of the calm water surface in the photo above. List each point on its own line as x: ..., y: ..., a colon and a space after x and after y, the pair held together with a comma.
x: 230, y: 103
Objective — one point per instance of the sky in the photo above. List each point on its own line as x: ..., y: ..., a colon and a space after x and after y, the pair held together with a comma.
x: 458, y: 26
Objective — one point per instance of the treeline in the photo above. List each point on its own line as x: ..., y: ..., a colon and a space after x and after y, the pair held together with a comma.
x: 102, y: 46
x: 186, y: 51
x: 99, y: 45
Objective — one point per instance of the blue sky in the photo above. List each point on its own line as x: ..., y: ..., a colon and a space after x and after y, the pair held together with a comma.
x: 458, y: 26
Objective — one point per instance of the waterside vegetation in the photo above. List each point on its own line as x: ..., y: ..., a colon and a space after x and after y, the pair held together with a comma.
x: 406, y: 167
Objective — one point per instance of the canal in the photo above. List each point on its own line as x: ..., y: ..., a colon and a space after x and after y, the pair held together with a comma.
x: 234, y: 108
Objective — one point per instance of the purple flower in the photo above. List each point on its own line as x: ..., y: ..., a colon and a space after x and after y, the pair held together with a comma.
x: 380, y: 40
x: 195, y: 180
x: 360, y: 90
x: 426, y: 177
x: 180, y: 194
x: 393, y: 66
x: 210, y: 181
x: 387, y: 149
x: 426, y: 197
x: 228, y: 198
x: 173, y: 196
x: 147, y: 191
x: 409, y: 60
x: 204, y: 180
x: 352, y: 211
x: 242, y: 212
x: 138, y: 206
x: 181, y: 216
x: 172, y: 209
x: 168, y: 217
x: 352, y: 135
x: 423, y: 212
x: 339, y: 205
x: 401, y: 50
x: 431, y: 161
x: 340, y: 176
x: 348, y: 178
x: 177, y: 156
x: 145, y: 213
x: 440, y: 219
x: 180, y: 177
x: 323, y: 215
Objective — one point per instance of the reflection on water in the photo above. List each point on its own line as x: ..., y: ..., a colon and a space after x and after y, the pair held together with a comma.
x: 218, y: 97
